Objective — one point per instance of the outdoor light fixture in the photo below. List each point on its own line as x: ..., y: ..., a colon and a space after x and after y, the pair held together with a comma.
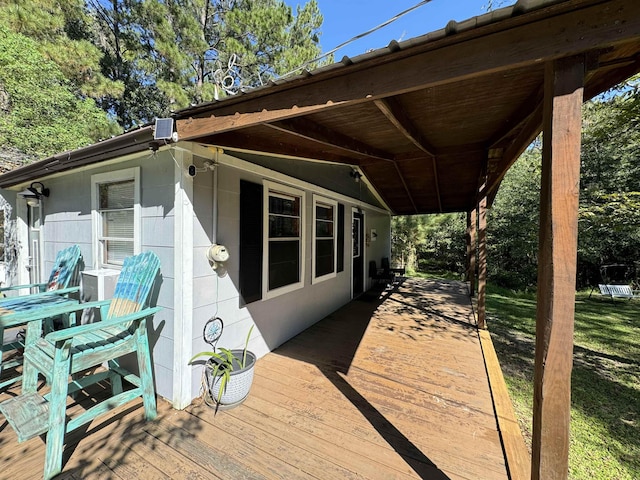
x: 355, y: 175
x: 34, y: 192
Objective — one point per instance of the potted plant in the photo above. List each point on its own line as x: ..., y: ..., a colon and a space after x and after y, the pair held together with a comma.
x: 228, y: 374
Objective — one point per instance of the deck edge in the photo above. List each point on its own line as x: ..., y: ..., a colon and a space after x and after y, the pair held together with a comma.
x: 516, y: 453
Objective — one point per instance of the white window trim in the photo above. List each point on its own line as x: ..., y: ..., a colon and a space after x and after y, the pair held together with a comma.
x: 318, y: 200
x: 108, y: 177
x: 277, y: 187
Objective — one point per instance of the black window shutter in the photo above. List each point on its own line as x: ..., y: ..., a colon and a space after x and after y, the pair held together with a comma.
x: 340, y: 252
x: 250, y: 241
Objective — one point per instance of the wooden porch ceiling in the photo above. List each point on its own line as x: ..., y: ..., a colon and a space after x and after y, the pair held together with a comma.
x: 432, y: 119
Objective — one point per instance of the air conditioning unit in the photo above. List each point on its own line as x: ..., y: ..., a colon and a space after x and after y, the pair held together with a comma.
x: 97, y: 285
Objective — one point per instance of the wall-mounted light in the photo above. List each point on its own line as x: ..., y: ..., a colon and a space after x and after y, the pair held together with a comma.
x: 34, y: 192
x: 356, y: 175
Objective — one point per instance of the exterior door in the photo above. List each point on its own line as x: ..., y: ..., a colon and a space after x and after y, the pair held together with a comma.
x: 357, y: 267
x: 34, y: 220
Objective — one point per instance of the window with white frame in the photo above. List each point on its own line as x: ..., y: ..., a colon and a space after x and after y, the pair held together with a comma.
x: 116, y: 216
x: 2, y: 236
x: 324, y: 238
x: 284, y: 239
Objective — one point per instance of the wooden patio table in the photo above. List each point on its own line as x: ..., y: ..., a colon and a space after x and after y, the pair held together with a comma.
x: 30, y: 312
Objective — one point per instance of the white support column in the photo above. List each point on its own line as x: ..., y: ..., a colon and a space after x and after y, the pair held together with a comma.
x: 183, y: 281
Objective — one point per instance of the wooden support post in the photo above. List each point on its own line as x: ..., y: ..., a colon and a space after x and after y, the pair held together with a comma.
x: 471, y: 251
x: 557, y: 268
x: 482, y: 263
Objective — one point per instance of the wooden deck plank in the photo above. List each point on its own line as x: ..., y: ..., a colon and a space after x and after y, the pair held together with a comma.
x: 435, y: 412
x: 387, y: 433
x: 326, y: 459
x: 355, y: 440
x: 272, y: 455
x: 391, y: 386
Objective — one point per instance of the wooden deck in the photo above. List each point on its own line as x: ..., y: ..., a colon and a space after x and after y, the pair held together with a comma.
x: 392, y: 387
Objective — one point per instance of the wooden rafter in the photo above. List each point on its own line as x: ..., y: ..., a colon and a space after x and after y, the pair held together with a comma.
x: 191, y: 128
x: 621, y: 74
x: 406, y: 187
x: 518, y: 119
x: 396, y: 115
x: 243, y: 141
x: 309, y: 130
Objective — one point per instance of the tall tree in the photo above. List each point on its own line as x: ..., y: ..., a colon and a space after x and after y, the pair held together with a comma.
x: 429, y: 242
x: 39, y: 112
x: 610, y: 184
x: 193, y: 51
x: 119, y: 34
x: 512, y: 224
x: 62, y: 31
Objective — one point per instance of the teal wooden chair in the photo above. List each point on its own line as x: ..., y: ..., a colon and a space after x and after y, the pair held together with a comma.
x: 63, y: 281
x: 64, y: 274
x: 63, y: 358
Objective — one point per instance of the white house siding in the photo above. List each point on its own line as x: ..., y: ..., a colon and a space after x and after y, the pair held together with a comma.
x: 188, y: 302
x: 158, y: 216
x: 277, y: 319
x: 67, y: 221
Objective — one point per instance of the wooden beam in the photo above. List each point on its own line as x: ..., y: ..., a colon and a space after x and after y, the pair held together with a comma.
x: 620, y: 75
x: 519, y: 41
x: 406, y: 187
x: 190, y: 128
x: 518, y: 119
x: 482, y: 263
x: 472, y: 220
x: 309, y: 130
x: 557, y: 268
x: 395, y: 113
x: 260, y: 145
x: 398, y: 118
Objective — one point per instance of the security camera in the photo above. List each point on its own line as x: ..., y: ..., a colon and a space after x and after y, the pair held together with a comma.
x: 192, y: 170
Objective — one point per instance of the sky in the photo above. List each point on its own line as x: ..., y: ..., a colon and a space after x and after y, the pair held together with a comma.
x: 344, y: 19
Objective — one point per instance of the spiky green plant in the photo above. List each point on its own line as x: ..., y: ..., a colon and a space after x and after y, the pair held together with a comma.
x: 222, y: 364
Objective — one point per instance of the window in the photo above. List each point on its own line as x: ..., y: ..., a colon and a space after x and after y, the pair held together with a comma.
x: 116, y: 217
x: 284, y: 242
x: 324, y: 238
x: 2, y: 236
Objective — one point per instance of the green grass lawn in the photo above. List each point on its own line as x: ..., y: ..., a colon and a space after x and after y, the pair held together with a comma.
x: 605, y: 403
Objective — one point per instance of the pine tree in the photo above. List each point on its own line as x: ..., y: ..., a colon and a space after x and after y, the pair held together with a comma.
x: 62, y: 31
x: 39, y: 112
x: 170, y: 54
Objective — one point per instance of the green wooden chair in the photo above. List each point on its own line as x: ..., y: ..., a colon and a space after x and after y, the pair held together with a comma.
x: 65, y: 273
x: 63, y: 357
x: 63, y: 281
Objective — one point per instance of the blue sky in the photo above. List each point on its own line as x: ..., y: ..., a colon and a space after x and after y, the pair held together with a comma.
x: 344, y: 19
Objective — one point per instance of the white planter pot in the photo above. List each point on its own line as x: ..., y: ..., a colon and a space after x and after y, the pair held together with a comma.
x: 239, y: 384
